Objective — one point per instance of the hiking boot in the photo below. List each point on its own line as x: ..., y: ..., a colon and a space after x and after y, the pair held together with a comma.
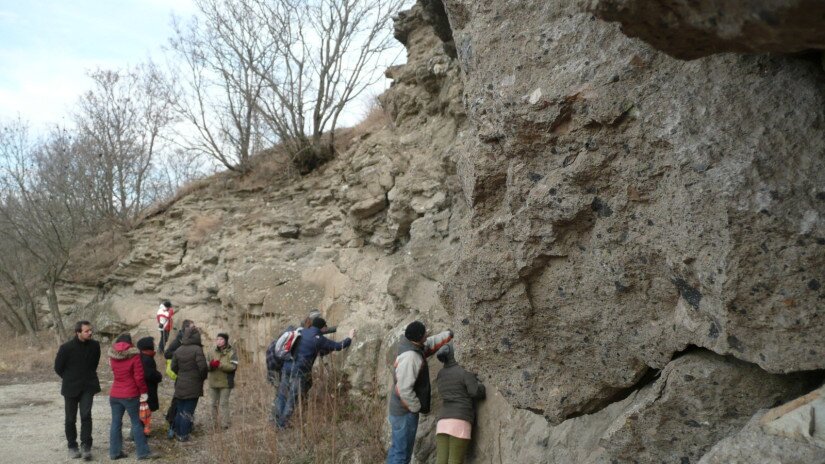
x: 74, y: 453
x: 152, y: 455
x: 183, y: 439
x: 122, y: 455
x: 87, y: 454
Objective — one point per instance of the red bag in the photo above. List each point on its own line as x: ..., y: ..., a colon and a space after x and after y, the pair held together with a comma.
x: 145, y: 415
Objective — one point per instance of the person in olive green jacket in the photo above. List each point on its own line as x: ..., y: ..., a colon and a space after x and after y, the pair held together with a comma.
x: 223, y: 361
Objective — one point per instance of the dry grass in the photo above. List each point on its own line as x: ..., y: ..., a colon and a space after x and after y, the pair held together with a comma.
x: 375, y: 119
x: 186, y: 189
x: 202, y: 227
x: 97, y: 256
x: 330, y: 426
x: 28, y: 358
x: 268, y: 168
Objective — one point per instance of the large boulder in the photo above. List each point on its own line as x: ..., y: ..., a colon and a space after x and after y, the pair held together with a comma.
x: 626, y: 205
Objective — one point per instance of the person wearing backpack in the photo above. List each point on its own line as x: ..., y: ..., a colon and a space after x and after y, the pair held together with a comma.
x: 298, y: 368
x: 410, y: 393
x: 223, y: 361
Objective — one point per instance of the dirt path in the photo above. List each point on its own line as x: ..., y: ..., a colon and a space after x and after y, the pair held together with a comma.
x: 31, y: 427
x: 31, y: 424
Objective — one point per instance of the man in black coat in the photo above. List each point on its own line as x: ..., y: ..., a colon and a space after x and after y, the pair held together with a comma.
x: 76, y: 363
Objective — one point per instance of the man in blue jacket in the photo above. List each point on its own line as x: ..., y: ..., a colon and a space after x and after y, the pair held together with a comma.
x: 297, y: 370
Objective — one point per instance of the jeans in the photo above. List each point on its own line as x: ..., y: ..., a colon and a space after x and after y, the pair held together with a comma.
x: 185, y: 416
x: 403, y: 438
x: 220, y: 398
x: 119, y: 406
x: 84, y: 403
x: 292, y: 385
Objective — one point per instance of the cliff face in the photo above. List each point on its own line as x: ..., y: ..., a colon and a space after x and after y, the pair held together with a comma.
x: 629, y: 247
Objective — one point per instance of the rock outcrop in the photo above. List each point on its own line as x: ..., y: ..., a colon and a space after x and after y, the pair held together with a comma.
x: 629, y: 246
x: 689, y: 29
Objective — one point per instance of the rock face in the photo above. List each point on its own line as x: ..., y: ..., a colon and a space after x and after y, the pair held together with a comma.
x: 689, y: 29
x: 629, y: 247
x: 626, y: 205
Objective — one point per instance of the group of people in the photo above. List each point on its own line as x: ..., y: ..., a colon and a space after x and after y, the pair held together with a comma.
x: 136, y: 378
x: 134, y: 389
x: 411, y: 396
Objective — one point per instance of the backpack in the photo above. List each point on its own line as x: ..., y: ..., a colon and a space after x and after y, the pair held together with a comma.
x: 280, y: 350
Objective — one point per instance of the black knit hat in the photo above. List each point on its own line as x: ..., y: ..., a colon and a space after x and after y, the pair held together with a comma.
x: 224, y: 336
x: 146, y: 343
x: 415, y: 331
x: 319, y: 322
x: 124, y: 337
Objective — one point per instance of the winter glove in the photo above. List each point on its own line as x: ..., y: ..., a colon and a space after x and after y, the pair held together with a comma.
x: 160, y: 327
x: 144, y: 397
x: 451, y: 333
x: 214, y: 364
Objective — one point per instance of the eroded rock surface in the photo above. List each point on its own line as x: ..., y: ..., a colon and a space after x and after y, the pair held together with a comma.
x: 690, y: 29
x: 629, y: 247
x: 625, y: 205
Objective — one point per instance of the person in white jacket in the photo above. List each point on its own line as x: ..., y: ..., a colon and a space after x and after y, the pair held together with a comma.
x: 164, y: 318
x: 410, y: 393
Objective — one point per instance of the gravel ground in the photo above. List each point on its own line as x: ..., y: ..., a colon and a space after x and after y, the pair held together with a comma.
x: 31, y: 423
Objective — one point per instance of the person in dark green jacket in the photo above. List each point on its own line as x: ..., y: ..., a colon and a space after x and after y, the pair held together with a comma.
x: 459, y: 390
x: 189, y: 363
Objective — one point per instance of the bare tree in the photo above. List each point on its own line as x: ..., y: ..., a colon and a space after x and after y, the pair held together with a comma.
x: 329, y: 52
x: 119, y: 124
x: 224, y: 54
x: 278, y: 70
x: 42, y: 208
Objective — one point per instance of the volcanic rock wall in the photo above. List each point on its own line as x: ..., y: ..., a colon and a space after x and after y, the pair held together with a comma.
x: 629, y: 246
x: 635, y: 218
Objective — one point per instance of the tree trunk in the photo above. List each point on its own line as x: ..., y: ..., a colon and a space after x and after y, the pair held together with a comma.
x: 55, y: 310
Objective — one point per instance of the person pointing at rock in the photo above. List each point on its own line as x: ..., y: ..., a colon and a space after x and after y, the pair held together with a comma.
x: 410, y: 393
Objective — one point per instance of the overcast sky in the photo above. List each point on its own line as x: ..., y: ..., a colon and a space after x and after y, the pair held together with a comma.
x: 47, y: 47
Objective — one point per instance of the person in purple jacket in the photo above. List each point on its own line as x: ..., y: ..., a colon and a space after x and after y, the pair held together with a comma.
x: 296, y: 370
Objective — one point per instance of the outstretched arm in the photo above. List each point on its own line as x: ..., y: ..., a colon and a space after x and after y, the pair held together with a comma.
x: 436, y: 341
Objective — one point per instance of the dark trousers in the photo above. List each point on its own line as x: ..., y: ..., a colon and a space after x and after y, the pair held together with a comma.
x: 164, y: 337
x: 83, y: 402
x: 185, y: 416
x: 172, y: 411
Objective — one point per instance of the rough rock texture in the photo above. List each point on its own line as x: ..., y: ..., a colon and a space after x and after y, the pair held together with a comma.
x: 629, y: 247
x: 690, y: 29
x: 754, y: 444
x: 697, y: 400
x: 625, y: 205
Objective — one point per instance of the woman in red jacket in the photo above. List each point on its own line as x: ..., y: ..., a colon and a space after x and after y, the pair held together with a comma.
x: 128, y: 387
